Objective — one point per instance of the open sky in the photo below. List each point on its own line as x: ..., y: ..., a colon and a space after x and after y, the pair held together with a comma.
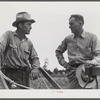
x: 51, y: 25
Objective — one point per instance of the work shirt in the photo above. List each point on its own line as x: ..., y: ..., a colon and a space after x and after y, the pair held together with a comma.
x: 79, y: 49
x: 16, y: 53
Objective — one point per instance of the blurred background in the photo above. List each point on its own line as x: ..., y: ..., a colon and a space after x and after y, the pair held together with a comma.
x: 51, y: 25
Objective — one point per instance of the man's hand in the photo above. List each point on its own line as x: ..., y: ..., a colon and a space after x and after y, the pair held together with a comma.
x: 67, y: 66
x: 34, y: 73
x: 93, y: 62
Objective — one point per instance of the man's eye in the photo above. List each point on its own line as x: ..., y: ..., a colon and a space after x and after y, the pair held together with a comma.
x: 70, y: 24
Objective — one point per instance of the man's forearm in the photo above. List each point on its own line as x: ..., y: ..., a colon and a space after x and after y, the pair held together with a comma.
x: 61, y: 59
x: 95, y: 60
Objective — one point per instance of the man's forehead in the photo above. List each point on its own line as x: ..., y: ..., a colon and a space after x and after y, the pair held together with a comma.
x: 71, y: 19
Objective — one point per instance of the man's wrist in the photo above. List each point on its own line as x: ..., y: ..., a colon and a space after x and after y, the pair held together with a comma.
x: 66, y: 65
x: 34, y: 67
x: 94, y: 62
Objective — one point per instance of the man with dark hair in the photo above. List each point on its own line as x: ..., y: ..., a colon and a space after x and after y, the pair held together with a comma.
x: 82, y: 48
x: 18, y: 57
x: 78, y: 17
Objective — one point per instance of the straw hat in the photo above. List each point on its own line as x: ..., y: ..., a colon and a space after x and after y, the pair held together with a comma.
x: 82, y: 78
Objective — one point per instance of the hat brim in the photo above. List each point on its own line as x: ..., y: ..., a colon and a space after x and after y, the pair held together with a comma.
x: 80, y: 80
x: 16, y: 22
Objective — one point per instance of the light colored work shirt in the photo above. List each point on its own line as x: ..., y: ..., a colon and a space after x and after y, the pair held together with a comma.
x: 79, y: 49
x: 16, y: 53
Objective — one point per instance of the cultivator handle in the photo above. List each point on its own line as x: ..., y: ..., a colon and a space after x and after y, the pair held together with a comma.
x: 50, y: 79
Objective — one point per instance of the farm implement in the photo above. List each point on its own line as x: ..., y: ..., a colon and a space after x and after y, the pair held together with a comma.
x: 4, y: 79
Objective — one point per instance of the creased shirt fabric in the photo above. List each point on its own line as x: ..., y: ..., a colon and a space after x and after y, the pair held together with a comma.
x: 79, y: 49
x: 16, y: 53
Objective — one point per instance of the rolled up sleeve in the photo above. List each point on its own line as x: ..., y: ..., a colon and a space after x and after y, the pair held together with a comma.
x: 34, y: 59
x: 59, y: 52
x: 96, y: 49
x: 4, y: 40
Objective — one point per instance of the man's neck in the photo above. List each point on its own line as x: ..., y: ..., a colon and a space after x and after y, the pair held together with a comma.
x: 79, y: 33
x: 20, y: 34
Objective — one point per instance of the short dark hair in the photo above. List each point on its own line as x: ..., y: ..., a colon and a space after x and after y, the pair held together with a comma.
x: 77, y: 17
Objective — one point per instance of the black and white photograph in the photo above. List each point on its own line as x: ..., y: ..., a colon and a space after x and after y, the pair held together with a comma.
x: 50, y: 48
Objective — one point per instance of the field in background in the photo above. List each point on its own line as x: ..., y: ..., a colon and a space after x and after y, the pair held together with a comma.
x: 61, y: 81
x: 42, y: 83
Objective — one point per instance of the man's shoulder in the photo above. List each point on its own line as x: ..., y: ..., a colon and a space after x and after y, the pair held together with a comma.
x: 89, y: 34
x: 29, y: 41
x: 69, y: 36
x: 8, y: 32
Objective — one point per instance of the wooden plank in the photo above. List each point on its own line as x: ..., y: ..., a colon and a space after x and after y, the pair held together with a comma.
x: 50, y: 79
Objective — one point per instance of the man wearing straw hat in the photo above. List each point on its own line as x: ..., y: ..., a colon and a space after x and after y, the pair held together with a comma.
x: 18, y: 57
x: 82, y: 48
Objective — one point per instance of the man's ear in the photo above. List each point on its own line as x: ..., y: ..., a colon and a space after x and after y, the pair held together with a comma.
x: 81, y: 23
x: 20, y: 25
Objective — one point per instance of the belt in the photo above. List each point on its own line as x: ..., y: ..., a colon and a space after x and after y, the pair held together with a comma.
x: 75, y: 64
x: 14, y: 68
x: 10, y: 70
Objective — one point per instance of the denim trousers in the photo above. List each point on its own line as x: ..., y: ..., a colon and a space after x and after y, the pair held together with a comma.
x: 73, y: 82
x: 20, y: 76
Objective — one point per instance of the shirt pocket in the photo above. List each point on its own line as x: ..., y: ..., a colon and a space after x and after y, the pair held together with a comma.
x: 12, y: 49
x: 71, y: 47
x: 27, y: 53
x: 88, y: 52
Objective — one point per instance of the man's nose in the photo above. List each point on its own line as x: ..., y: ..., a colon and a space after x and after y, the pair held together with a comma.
x: 69, y: 26
x: 30, y: 27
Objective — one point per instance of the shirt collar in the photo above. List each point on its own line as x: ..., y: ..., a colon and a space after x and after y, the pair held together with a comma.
x: 15, y: 34
x: 82, y: 35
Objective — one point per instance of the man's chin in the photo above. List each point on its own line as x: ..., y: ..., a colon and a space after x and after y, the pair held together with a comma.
x: 27, y: 33
x: 72, y: 31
